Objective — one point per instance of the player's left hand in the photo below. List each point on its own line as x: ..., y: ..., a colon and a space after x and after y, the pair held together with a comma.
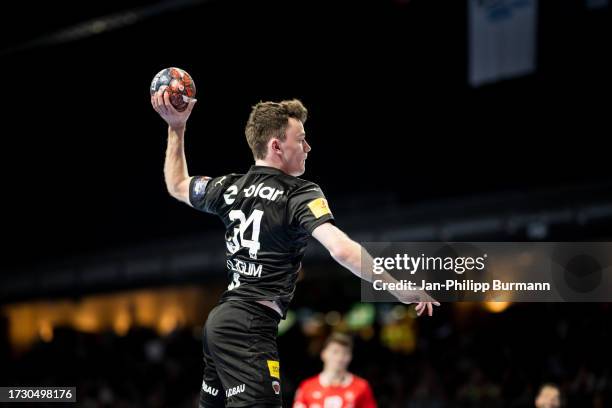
x: 422, y: 299
x: 422, y: 306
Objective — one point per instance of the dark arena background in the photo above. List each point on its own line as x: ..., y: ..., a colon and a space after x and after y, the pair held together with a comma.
x: 430, y: 120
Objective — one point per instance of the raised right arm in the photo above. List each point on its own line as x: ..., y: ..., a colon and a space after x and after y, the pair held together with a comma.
x: 176, y: 174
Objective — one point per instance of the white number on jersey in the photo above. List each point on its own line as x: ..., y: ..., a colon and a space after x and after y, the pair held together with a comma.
x: 238, y: 240
x: 235, y: 283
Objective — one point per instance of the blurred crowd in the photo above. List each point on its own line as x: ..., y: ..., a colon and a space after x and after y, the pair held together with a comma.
x: 476, y: 360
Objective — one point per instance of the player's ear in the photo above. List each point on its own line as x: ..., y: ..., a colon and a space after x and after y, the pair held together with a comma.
x: 274, y: 146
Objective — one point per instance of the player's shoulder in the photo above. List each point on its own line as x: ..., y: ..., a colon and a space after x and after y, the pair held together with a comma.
x: 304, y: 183
x: 300, y: 186
x: 229, y: 177
x: 225, y: 180
x: 360, y: 382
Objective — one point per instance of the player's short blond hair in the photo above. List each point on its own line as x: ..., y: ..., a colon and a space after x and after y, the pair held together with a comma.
x: 270, y: 119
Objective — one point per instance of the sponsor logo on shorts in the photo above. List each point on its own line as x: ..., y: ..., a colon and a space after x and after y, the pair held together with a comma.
x: 276, y: 387
x: 209, y: 390
x: 274, y: 368
x: 319, y: 207
x: 230, y: 392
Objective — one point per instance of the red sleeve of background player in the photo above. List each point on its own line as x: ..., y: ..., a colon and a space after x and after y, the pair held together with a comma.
x: 366, y: 399
x: 300, y: 400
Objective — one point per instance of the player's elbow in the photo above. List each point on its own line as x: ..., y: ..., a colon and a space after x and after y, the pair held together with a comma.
x: 180, y: 197
x: 339, y: 253
x: 179, y: 191
x: 343, y: 251
x: 172, y: 191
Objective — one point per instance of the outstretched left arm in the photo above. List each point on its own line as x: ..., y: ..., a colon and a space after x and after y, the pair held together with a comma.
x: 354, y: 257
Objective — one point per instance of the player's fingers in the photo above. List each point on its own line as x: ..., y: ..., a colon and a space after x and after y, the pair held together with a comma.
x: 419, y: 309
x: 433, y: 301
x: 153, y: 102
x: 429, y: 309
x: 168, y: 104
x: 191, y: 104
x: 166, y: 99
x: 160, y: 99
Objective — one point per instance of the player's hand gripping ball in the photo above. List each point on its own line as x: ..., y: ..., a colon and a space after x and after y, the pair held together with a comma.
x: 179, y: 85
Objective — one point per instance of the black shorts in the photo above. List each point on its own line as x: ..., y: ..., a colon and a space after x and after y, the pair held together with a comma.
x: 241, y: 366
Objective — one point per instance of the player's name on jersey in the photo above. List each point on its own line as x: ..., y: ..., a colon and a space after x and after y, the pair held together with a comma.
x: 244, y: 268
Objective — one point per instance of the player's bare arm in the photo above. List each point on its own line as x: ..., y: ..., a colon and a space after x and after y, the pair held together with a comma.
x: 348, y: 253
x: 176, y: 174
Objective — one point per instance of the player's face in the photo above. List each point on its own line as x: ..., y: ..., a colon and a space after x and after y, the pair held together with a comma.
x: 294, y: 148
x: 336, y: 357
x: 548, y: 398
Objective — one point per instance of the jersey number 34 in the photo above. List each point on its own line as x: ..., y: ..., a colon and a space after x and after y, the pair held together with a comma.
x: 239, y: 238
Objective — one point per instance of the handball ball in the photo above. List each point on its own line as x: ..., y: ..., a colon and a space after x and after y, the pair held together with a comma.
x: 179, y: 85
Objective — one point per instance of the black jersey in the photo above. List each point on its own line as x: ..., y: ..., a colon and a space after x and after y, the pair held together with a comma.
x: 269, y: 217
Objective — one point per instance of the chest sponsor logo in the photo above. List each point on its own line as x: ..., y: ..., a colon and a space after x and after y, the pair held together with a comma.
x: 261, y: 191
x: 333, y: 402
x: 230, y: 195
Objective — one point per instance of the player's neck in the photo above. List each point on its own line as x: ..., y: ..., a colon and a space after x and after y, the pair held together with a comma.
x: 335, y: 378
x: 269, y: 163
